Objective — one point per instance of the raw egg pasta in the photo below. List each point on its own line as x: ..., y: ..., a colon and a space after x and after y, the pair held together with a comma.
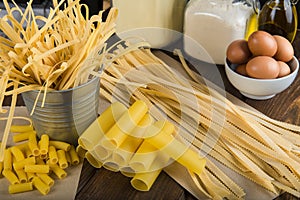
x: 44, y: 144
x: 101, y: 152
x: 60, y: 145
x: 42, y: 187
x: 91, y: 159
x: 21, y: 175
x: 53, y: 159
x: 33, y: 145
x: 21, y: 128
x: 111, y: 165
x: 21, y: 164
x: 46, y: 179
x: 144, y: 181
x: 30, y: 176
x: 42, y: 169
x: 143, y: 158
x: 80, y: 151
x: 62, y: 160
x: 21, y: 187
x: 10, y: 176
x: 17, y: 153
x: 127, y: 122
x: 59, y: 172
x: 19, y: 137
x: 75, y: 160
x: 8, y: 160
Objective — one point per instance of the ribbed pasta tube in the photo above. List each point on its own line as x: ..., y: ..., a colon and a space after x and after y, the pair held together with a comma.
x: 75, y: 160
x: 21, y: 187
x: 33, y: 145
x: 60, y: 145
x: 62, y: 160
x: 21, y: 174
x: 10, y: 176
x: 53, y: 159
x: 59, y: 172
x: 8, y: 160
x: 22, y: 163
x: 44, y: 143
x: 42, y: 187
x: 17, y: 153
x: 21, y: 128
x: 46, y: 179
x: 22, y: 136
x: 42, y: 169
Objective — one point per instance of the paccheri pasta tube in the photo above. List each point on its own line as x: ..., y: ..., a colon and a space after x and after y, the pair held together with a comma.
x: 133, y: 151
x: 93, y: 134
x: 26, y: 169
x: 116, y: 135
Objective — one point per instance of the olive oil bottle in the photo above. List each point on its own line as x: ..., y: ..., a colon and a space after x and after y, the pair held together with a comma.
x: 279, y: 17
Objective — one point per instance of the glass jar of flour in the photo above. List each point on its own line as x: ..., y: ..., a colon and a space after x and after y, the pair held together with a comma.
x: 213, y: 24
x: 159, y: 22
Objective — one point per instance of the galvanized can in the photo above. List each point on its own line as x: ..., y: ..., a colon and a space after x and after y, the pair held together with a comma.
x: 66, y: 113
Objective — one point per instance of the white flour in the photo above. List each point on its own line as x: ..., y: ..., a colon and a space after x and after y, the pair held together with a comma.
x: 214, y: 25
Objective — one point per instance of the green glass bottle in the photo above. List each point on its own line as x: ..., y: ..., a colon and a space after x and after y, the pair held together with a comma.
x: 279, y: 17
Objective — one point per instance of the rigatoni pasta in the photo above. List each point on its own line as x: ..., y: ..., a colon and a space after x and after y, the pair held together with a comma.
x: 21, y: 187
x: 19, y: 137
x: 25, y: 169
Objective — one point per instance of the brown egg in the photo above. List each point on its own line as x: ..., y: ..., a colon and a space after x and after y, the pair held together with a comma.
x: 285, y: 50
x: 284, y: 69
x: 262, y: 67
x: 262, y: 43
x: 241, y: 69
x: 238, y: 52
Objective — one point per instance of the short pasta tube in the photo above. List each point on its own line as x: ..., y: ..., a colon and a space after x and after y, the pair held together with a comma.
x: 53, y: 159
x: 8, y: 160
x: 42, y: 169
x: 46, y: 179
x: 22, y: 163
x: 44, y: 143
x: 60, y: 145
x: 75, y: 160
x: 92, y: 160
x: 17, y: 153
x: 42, y: 187
x: 62, y: 159
x: 18, y: 188
x: 21, y: 128
x: 59, y: 172
x: 33, y: 146
x: 21, y: 174
x: 11, y: 176
x: 22, y: 136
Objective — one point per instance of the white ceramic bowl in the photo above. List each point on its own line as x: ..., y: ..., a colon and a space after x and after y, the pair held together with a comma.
x: 261, y: 89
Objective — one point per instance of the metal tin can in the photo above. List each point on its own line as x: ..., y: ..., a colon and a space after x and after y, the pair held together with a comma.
x: 66, y: 113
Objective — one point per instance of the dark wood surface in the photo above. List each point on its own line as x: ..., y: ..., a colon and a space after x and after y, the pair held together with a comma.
x: 104, y: 184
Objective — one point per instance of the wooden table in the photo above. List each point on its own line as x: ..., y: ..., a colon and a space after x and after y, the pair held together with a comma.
x: 104, y: 184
